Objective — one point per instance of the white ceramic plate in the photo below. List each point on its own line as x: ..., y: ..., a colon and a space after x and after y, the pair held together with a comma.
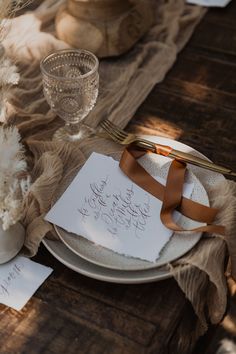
x: 75, y: 262
x: 80, y: 265
x: 175, y: 248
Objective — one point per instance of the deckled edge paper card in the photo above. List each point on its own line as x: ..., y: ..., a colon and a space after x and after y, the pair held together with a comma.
x: 210, y: 3
x: 103, y: 205
x: 19, y: 279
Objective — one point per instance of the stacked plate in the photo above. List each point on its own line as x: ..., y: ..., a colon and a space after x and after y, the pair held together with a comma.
x: 100, y: 263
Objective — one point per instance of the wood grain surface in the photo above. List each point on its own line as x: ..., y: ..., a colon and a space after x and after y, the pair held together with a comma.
x: 70, y: 313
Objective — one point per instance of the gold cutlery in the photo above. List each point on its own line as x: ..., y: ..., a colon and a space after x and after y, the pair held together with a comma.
x: 122, y: 137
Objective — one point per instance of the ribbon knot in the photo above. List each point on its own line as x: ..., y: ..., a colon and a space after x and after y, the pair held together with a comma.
x: 171, y: 194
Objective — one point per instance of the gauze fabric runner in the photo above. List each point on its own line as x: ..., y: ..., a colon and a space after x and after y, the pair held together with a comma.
x: 125, y: 82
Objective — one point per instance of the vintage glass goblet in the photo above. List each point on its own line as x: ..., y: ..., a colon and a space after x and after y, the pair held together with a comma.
x: 70, y: 81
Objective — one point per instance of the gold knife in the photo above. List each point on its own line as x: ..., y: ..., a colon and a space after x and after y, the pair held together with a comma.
x: 124, y: 138
x: 183, y: 156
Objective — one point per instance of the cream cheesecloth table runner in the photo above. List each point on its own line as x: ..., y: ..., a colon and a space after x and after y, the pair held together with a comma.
x: 125, y: 82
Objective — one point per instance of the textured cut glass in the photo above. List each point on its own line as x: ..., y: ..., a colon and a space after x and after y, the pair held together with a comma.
x: 70, y: 81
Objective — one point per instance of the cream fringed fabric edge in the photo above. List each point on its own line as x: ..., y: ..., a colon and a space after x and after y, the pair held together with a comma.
x: 201, y: 273
x: 125, y: 83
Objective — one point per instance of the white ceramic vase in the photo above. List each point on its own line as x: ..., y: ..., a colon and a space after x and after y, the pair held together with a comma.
x: 11, y: 241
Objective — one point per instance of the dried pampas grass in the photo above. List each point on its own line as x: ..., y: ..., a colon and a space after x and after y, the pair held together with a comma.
x: 14, y: 180
x: 8, y: 76
x: 8, y: 8
x: 24, y: 40
x: 8, y: 71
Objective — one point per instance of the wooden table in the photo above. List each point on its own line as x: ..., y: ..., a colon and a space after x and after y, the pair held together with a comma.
x: 70, y: 313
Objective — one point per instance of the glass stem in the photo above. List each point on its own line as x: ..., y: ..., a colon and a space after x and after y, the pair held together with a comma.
x: 73, y: 128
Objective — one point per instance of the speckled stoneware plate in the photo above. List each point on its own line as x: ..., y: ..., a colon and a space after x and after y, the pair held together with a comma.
x: 178, y: 245
x: 60, y: 251
x: 80, y: 265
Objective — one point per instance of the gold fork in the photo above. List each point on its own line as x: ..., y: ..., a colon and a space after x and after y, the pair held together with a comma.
x: 122, y: 137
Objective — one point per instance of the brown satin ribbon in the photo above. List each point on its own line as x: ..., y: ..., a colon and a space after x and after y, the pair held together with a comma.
x: 171, y: 194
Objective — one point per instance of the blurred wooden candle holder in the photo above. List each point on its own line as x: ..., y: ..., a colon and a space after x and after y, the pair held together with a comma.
x: 105, y: 27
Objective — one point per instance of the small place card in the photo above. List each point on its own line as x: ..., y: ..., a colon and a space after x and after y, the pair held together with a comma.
x: 106, y: 207
x: 19, y: 279
x: 212, y: 3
